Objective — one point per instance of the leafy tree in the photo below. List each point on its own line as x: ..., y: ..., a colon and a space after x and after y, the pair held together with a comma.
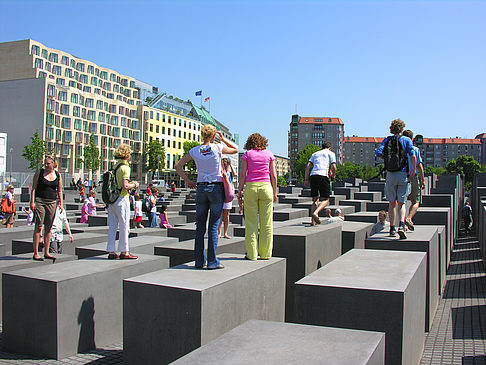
x: 281, y: 181
x: 466, y: 166
x: 438, y: 171
x: 301, y: 162
x: 156, y: 156
x: 187, y: 146
x: 92, y: 158
x: 35, y: 152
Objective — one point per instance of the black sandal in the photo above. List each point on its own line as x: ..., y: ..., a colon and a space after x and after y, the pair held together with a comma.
x: 37, y: 258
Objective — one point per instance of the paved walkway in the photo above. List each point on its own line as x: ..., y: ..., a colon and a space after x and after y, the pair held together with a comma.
x: 458, y: 334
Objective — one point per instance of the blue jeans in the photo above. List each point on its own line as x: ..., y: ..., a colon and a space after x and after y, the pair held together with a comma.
x: 153, y: 220
x: 209, y: 199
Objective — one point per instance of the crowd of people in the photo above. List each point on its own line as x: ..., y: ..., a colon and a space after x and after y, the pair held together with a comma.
x: 257, y: 191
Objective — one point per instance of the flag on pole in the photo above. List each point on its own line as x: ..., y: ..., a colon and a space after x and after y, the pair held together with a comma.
x: 199, y: 93
x: 207, y: 99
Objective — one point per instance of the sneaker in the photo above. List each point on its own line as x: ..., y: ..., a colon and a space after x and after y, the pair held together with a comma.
x: 401, y: 233
x: 409, y: 224
x: 393, y: 232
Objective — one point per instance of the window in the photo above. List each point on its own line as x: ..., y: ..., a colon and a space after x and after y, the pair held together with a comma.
x: 89, y: 102
x: 39, y: 63
x: 62, y: 96
x: 65, y: 109
x: 156, y: 129
x: 56, y: 70
x: 91, y: 115
x: 51, y: 90
x: 101, y: 116
x: 49, y: 133
x: 77, y: 124
x: 48, y: 66
x: 44, y: 53
x: 90, y: 69
x: 66, y: 123
x: 67, y: 136
x: 80, y: 67
x: 151, y: 128
x: 58, y: 134
x: 92, y: 127
x: 51, y: 104
x: 65, y: 60
x: 60, y: 81
x: 35, y: 50
x: 76, y: 111
x: 53, y: 57
x: 65, y: 151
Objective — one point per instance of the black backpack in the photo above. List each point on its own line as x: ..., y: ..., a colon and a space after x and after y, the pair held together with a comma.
x: 393, y: 154
x: 109, y: 190
x: 147, y: 204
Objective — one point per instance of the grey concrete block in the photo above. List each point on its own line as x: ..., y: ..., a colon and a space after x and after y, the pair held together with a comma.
x: 240, y: 231
x: 431, y: 216
x: 288, y: 214
x: 168, y: 313
x: 354, y: 235
x: 423, y: 239
x: 137, y: 245
x: 370, y: 290
x: 306, y: 250
x: 348, y: 191
x: 3, y: 249
x: 290, y: 189
x: 359, y: 205
x: 26, y: 246
x: 366, y: 217
x: 376, y: 206
x: 368, y: 195
x: 287, y: 343
x: 181, y: 252
x: 78, y: 305
x: 24, y: 261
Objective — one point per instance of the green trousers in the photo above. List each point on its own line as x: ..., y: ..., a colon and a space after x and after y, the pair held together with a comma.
x: 258, y: 209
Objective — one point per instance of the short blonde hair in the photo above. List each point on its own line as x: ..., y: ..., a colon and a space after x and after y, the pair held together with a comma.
x: 397, y: 126
x: 208, y: 131
x: 92, y: 192
x: 53, y: 160
x: 155, y: 191
x: 123, y: 152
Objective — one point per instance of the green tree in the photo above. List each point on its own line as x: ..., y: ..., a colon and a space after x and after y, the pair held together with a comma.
x: 156, y: 156
x: 187, y: 146
x: 281, y: 181
x: 438, y: 171
x: 466, y: 166
x: 91, y: 157
x: 301, y: 162
x: 35, y: 152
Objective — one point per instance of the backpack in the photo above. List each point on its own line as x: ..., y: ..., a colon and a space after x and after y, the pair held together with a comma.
x: 109, y: 190
x: 393, y: 155
x: 147, y: 204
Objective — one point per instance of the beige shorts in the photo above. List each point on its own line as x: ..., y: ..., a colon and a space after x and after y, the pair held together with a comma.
x: 45, y: 212
x: 414, y: 195
x: 8, y: 218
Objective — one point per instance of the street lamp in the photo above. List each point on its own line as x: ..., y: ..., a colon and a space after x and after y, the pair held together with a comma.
x: 11, y: 154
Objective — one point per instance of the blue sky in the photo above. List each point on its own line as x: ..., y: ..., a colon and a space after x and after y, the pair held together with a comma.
x: 260, y: 61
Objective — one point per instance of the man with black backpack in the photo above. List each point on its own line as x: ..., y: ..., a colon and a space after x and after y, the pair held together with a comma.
x: 394, y: 150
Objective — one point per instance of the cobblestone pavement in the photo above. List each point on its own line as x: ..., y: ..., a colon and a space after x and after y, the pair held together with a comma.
x: 458, y: 334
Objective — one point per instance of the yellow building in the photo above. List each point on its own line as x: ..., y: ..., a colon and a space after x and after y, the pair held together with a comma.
x: 171, y: 129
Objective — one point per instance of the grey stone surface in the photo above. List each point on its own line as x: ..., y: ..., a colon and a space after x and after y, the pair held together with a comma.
x: 306, y: 248
x: 168, y: 313
x: 24, y: 261
x: 368, y: 195
x: 359, y: 205
x: 137, y: 245
x: 58, y: 310
x: 354, y: 235
x: 288, y: 214
x: 26, y: 246
x: 423, y: 239
x: 432, y: 216
x: 348, y: 191
x: 188, y: 231
x: 376, y: 206
x: 370, y: 290
x: 365, y: 217
x: 181, y: 252
x: 240, y: 231
x: 287, y: 343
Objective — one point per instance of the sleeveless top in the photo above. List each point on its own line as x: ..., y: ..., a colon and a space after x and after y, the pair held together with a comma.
x: 47, y: 189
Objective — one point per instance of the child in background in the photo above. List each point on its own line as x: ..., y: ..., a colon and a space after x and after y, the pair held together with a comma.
x: 30, y: 215
x: 164, y: 223
x: 137, y: 217
x: 84, y: 212
x: 57, y: 236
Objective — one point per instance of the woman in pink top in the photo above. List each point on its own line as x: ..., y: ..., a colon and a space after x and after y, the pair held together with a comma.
x: 259, y: 175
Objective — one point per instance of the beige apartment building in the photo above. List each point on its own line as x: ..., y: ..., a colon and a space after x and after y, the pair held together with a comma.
x: 67, y: 99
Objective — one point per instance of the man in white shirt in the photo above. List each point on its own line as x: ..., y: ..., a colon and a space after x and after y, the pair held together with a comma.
x: 321, y: 161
